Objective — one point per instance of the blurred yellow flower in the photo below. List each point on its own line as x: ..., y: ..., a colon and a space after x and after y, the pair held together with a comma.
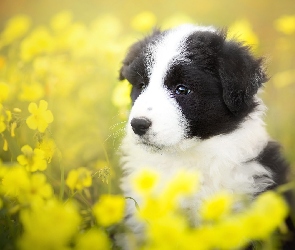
x: 154, y: 208
x: 145, y: 181
x: 216, y: 207
x: 121, y: 95
x: 31, y: 92
x: 32, y: 160
x: 242, y: 30
x: 15, y: 181
x: 230, y: 234
x: 168, y: 232
x: 284, y: 78
x: 285, y: 24
x: 79, y: 178
x: 259, y: 213
x: 51, y: 226
x: 144, y: 21
x: 38, y: 42
x: 15, y: 28
x: 48, y: 146
x: 183, y: 184
x: 93, y: 239
x: 61, y: 21
x: 36, y: 192
x: 2, y: 62
x: 109, y: 209
x: 40, y: 117
x: 2, y: 119
x: 4, y: 91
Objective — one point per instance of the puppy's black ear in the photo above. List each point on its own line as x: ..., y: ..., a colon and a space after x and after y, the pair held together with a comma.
x: 241, y: 76
x: 135, y: 51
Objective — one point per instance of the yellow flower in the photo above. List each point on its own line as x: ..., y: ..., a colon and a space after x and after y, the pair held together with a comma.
x: 121, y: 95
x: 32, y: 160
x: 51, y: 226
x: 145, y: 181
x: 285, y: 24
x: 154, y: 208
x: 79, y: 178
x: 242, y: 30
x: 183, y: 184
x: 2, y: 119
x: 38, y: 42
x: 38, y: 191
x: 284, y: 78
x: 31, y: 92
x: 217, y: 206
x: 230, y: 234
x: 144, y: 21
x: 93, y: 239
x: 61, y: 21
x: 257, y: 222
x: 168, y: 232
x: 15, y: 28
x: 15, y: 181
x: 4, y: 91
x: 40, y: 117
x: 48, y: 146
x: 34, y: 189
x: 109, y: 209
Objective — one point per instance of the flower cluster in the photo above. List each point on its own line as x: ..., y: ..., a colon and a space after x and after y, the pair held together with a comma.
x: 59, y: 101
x: 218, y: 223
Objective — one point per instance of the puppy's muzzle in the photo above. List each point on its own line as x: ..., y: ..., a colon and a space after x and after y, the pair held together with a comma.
x: 140, y: 125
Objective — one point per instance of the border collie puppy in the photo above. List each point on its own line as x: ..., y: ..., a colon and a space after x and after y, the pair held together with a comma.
x: 195, y: 107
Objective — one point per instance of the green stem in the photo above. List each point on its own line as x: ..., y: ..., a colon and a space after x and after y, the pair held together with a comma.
x: 135, y: 202
x: 12, y: 146
x: 62, y: 181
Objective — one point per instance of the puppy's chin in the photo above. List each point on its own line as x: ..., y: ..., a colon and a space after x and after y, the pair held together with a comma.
x: 152, y: 145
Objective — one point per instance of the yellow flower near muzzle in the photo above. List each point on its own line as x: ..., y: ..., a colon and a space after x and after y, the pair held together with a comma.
x: 217, y: 206
x: 40, y: 116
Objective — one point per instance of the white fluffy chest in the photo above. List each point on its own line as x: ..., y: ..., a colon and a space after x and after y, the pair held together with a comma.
x: 225, y: 162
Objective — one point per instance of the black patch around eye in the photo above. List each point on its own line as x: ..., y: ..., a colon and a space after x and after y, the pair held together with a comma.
x: 182, y: 90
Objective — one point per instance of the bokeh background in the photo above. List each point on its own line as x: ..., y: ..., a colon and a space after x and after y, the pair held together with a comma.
x: 69, y: 53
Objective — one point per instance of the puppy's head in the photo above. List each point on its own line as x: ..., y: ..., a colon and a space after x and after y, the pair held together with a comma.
x: 189, y: 82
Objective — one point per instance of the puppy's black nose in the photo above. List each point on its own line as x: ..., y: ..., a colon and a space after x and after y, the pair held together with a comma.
x: 140, y: 125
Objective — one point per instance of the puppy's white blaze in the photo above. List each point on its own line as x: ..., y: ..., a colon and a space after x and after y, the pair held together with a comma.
x: 155, y: 103
x: 170, y: 49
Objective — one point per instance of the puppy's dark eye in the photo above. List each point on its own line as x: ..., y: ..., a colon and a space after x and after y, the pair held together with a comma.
x: 141, y: 86
x: 182, y: 90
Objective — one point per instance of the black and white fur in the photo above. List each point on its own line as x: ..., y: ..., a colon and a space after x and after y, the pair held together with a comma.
x: 195, y: 107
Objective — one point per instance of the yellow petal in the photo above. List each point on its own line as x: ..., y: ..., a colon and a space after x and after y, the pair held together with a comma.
x: 42, y: 125
x: 49, y: 116
x: 32, y: 122
x: 33, y: 108
x: 43, y: 105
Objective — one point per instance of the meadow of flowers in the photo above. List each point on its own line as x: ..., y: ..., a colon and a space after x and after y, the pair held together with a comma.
x: 62, y: 114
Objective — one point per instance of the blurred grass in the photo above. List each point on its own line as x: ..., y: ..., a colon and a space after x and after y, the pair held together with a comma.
x: 87, y: 124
